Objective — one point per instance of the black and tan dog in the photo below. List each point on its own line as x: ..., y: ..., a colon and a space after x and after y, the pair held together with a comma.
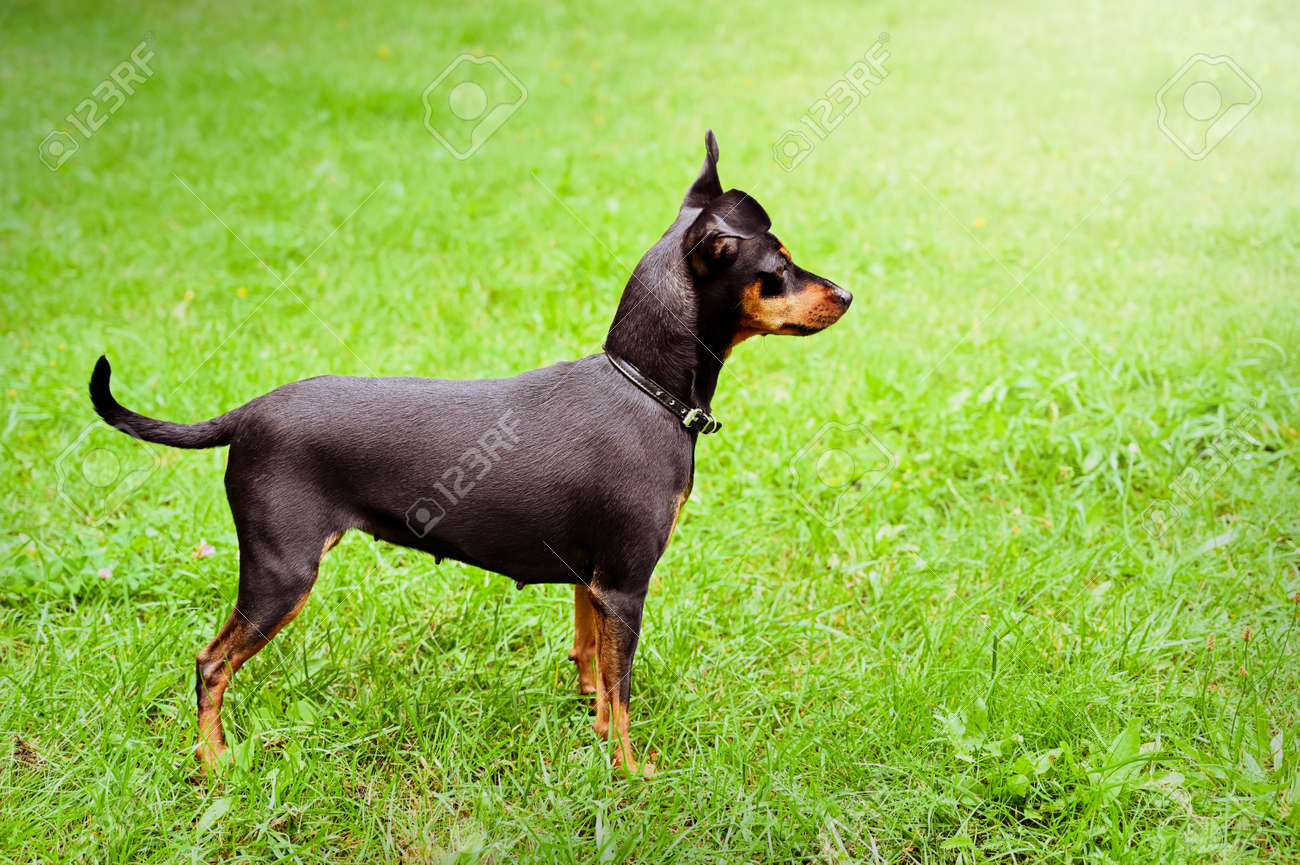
x: 575, y: 473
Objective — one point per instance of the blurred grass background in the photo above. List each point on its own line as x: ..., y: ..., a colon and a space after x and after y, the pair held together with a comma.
x: 989, y: 657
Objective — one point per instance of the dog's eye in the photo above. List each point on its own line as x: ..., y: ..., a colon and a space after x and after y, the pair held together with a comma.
x: 771, y: 286
x: 780, y: 270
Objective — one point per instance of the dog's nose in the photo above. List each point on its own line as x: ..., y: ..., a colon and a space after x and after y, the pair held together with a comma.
x: 842, y: 297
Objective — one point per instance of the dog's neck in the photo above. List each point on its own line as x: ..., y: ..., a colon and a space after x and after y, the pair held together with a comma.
x: 657, y: 328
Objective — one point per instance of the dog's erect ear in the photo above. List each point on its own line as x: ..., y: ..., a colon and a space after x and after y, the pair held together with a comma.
x: 707, y: 186
x: 713, y: 240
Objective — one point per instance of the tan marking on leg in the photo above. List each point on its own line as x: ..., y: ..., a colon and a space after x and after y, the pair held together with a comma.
x: 583, y: 652
x: 611, y: 709
x: 212, y: 742
x: 293, y: 614
x: 238, y: 641
x: 623, y: 758
x: 603, y: 696
x: 330, y: 543
x: 677, y: 512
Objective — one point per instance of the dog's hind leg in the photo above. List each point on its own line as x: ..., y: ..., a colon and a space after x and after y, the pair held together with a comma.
x: 274, y: 582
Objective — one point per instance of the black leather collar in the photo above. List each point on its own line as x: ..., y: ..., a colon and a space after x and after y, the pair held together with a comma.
x: 694, y: 419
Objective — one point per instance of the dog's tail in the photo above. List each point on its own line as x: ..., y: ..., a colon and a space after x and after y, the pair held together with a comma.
x: 207, y: 434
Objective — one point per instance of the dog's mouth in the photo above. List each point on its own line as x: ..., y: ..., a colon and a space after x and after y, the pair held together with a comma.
x: 815, y: 320
x: 821, y: 314
x: 802, y: 313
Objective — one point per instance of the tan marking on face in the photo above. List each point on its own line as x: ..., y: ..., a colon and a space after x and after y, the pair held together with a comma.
x: 813, y: 307
x: 786, y: 253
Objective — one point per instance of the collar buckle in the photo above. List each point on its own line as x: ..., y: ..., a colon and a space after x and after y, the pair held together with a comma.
x: 694, y: 419
x: 701, y: 422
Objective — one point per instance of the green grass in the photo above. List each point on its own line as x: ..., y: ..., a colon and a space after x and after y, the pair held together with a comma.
x: 984, y: 657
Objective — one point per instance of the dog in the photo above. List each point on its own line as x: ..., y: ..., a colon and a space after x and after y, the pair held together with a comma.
x: 575, y: 473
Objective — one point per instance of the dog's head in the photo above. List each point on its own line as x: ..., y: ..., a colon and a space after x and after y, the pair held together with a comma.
x: 745, y: 279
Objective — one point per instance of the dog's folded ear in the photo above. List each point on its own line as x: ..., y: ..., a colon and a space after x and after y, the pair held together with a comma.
x: 713, y: 240
x: 707, y: 186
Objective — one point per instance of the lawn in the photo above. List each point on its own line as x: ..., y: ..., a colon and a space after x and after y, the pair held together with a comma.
x: 1001, y: 568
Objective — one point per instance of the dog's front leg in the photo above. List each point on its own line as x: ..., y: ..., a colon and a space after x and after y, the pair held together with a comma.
x: 617, y: 620
x: 583, y: 652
